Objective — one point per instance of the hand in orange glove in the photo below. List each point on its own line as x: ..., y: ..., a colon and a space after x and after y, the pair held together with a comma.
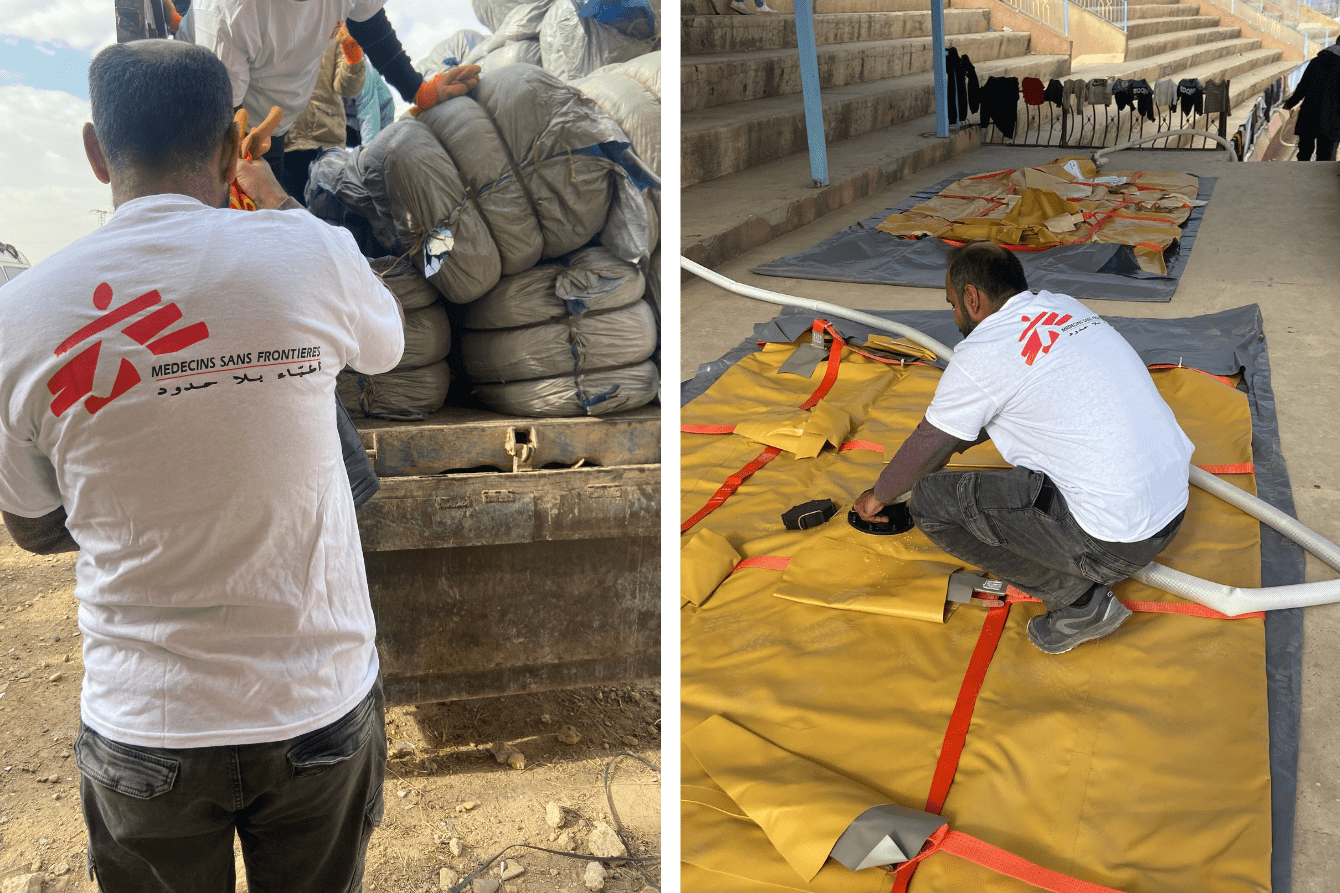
x: 353, y: 53
x: 257, y: 143
x: 172, y: 16
x: 446, y: 85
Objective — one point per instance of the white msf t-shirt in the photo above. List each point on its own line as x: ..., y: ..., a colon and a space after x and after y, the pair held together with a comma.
x: 1061, y: 392
x: 170, y: 380
x: 271, y: 48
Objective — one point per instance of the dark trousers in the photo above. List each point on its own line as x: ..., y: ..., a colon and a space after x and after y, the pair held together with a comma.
x: 1325, y: 148
x: 1016, y: 526
x: 162, y: 820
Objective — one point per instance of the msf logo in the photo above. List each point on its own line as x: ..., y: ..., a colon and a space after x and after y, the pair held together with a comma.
x: 1032, y: 337
x: 73, y: 382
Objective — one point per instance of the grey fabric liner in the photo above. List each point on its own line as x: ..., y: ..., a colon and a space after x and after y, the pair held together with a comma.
x: 908, y: 829
x: 861, y: 253
x: 1223, y: 343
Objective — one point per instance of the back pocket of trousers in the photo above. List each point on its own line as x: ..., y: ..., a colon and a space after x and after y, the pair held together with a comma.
x: 133, y: 771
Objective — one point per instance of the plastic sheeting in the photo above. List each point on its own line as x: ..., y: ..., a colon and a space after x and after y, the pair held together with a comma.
x: 632, y: 97
x: 574, y: 46
x: 862, y: 253
x: 562, y: 339
x: 521, y: 169
x: 594, y: 393
x: 405, y: 282
x: 520, y: 52
x: 1223, y: 343
x: 521, y: 21
x: 405, y: 395
x: 450, y: 52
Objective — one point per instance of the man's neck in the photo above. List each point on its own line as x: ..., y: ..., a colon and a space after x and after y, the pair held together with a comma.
x: 132, y: 184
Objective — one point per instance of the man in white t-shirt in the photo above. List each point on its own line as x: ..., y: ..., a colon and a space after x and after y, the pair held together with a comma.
x: 166, y: 408
x: 272, y: 50
x: 1099, y: 485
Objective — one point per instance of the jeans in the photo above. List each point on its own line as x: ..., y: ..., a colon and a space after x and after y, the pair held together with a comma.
x: 162, y: 820
x: 1016, y: 526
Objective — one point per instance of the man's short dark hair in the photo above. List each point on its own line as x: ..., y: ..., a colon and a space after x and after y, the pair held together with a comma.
x: 159, y: 104
x: 994, y: 270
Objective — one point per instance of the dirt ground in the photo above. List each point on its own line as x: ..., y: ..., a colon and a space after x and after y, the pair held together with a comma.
x: 455, y: 795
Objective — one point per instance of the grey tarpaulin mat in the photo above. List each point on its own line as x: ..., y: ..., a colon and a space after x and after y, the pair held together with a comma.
x: 862, y: 253
x: 1220, y: 343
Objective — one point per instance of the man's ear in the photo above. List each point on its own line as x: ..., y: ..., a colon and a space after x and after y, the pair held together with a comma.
x: 231, y: 145
x: 974, y: 302
x: 96, y: 160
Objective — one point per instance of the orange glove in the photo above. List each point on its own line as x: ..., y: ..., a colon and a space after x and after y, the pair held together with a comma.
x: 446, y: 85
x: 173, y: 18
x: 257, y: 142
x: 353, y: 53
x: 254, y: 145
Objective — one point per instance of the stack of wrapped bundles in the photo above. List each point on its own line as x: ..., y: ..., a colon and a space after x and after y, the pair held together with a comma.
x: 419, y: 384
x: 562, y: 339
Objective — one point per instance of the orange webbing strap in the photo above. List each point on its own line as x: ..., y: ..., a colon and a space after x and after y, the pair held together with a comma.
x: 707, y: 429
x: 730, y: 486
x: 766, y: 562
x: 956, y: 734
x: 734, y: 481
x: 1240, y: 468
x: 862, y: 445
x: 965, y: 846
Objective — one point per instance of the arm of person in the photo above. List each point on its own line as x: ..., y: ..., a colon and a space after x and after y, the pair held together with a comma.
x: 231, y: 42
x: 350, y: 67
x: 926, y: 450
x: 379, y: 41
x: 46, y: 535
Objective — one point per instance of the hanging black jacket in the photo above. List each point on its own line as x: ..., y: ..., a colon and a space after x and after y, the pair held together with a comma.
x: 1000, y: 104
x: 1319, y: 91
x: 1142, y: 95
x: 1191, y: 94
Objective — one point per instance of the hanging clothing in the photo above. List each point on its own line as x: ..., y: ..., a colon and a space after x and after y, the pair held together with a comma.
x: 1142, y: 98
x: 1055, y: 92
x: 1000, y: 104
x: 1165, y: 93
x: 1098, y: 92
x: 1191, y: 95
x: 1121, y: 92
x: 1033, y: 91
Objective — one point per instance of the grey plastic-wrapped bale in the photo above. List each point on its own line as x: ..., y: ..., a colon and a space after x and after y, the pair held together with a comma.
x: 630, y: 93
x: 573, y: 47
x: 569, y: 338
x: 406, y: 282
x: 405, y: 395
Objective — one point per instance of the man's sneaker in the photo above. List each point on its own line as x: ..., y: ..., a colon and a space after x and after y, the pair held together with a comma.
x: 764, y: 9
x: 740, y: 7
x: 1056, y: 632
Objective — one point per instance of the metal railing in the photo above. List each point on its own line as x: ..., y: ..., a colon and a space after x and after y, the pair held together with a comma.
x: 1301, y: 25
x: 1052, y: 13
x: 1111, y: 11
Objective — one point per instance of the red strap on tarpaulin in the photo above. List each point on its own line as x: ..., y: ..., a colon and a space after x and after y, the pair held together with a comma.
x: 734, y: 482
x: 768, y: 562
x: 979, y: 852
x: 707, y: 429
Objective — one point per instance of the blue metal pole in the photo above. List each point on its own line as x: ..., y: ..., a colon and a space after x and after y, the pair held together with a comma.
x: 938, y: 67
x: 809, y: 85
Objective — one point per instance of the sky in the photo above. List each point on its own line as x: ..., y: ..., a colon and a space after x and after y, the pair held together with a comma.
x: 48, y: 195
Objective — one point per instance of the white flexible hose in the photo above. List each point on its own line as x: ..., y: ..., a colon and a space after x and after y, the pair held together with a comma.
x: 1149, y: 138
x: 820, y: 307
x: 1229, y: 600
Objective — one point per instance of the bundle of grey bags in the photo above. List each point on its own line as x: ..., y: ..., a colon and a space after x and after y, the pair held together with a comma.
x: 472, y: 195
x: 419, y: 384
x: 563, y: 339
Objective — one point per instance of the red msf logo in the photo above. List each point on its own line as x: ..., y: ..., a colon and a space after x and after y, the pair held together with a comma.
x: 74, y: 381
x: 1033, y: 345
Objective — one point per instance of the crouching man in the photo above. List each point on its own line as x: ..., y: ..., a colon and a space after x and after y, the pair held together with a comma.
x: 1099, y: 484
x: 167, y: 408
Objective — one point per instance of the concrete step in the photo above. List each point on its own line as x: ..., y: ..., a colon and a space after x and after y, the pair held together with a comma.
x: 702, y: 35
x: 708, y: 81
x: 715, y: 142
x: 1160, y: 11
x: 1242, y: 93
x: 725, y: 218
x: 1160, y: 44
x: 1169, y: 65
x: 1135, y: 30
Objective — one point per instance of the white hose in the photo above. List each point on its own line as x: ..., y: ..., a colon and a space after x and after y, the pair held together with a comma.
x: 1149, y: 138
x: 1229, y: 600
x: 819, y: 307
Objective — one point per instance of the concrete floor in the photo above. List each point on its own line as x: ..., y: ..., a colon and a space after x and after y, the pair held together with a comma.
x: 1270, y: 236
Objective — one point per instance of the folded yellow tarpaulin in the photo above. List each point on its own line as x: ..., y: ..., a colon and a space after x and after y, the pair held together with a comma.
x: 1061, y: 203
x: 1140, y: 762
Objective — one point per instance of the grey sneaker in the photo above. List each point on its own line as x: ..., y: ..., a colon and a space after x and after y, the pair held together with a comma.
x: 1056, y: 632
